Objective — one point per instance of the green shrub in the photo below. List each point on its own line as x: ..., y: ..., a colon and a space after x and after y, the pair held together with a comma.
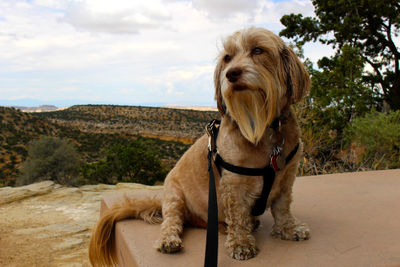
x: 50, y: 158
x: 135, y: 162
x: 379, y: 135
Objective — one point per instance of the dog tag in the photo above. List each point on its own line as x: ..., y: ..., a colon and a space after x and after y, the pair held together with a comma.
x: 278, y: 161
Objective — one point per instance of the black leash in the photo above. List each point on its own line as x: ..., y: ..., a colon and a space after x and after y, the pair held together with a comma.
x: 211, y: 258
x: 268, y: 173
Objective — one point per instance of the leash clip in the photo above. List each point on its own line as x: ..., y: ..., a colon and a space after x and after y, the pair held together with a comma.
x: 210, y: 133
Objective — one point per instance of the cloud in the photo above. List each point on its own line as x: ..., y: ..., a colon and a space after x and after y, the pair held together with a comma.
x: 270, y: 12
x: 124, y: 51
x: 226, y: 8
x: 252, y: 11
x: 122, y: 16
x: 185, y: 82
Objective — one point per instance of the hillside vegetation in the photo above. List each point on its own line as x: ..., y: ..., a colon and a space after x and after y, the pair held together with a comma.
x: 94, y: 129
x: 107, y: 138
x: 164, y: 123
x: 17, y: 129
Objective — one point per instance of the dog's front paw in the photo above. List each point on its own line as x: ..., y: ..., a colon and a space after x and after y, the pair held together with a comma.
x: 239, y: 252
x: 169, y: 244
x: 294, y: 232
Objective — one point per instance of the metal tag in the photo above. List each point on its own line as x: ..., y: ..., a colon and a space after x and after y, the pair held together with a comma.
x: 278, y: 161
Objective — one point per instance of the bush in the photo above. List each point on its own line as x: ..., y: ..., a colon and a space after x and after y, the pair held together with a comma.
x: 378, y: 136
x: 50, y: 158
x: 135, y: 162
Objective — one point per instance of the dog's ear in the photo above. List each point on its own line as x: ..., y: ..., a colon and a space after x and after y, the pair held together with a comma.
x: 217, y: 83
x: 296, y: 77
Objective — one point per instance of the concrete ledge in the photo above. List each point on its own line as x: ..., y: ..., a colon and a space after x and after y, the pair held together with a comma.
x: 354, y: 220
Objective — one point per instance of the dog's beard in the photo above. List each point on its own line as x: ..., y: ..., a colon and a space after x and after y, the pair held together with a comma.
x: 253, y: 112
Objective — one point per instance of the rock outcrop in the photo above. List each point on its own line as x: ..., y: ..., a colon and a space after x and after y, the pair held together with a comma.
x: 46, y: 224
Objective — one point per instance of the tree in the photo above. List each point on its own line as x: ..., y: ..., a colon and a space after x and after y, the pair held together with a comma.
x: 368, y: 25
x: 338, y: 94
x: 50, y: 158
x: 136, y: 162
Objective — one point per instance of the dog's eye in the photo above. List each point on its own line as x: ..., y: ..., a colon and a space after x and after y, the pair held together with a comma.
x: 227, y: 58
x: 257, y: 51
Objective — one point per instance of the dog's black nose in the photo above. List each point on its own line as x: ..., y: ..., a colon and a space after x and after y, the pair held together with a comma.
x: 234, y: 74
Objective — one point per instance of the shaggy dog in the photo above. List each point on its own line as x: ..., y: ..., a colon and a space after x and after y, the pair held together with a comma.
x: 257, y: 78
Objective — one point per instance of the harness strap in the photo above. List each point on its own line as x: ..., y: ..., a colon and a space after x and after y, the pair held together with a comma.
x: 269, y: 179
x: 236, y: 169
x: 261, y: 203
x: 268, y: 173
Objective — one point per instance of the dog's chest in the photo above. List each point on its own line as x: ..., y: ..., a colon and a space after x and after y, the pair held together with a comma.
x: 238, y: 151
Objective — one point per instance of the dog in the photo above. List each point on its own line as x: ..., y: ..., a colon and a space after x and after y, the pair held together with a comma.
x: 257, y: 78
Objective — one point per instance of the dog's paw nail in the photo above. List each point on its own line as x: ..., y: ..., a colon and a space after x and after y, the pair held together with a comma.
x: 169, y: 246
x: 243, y: 253
x: 295, y: 232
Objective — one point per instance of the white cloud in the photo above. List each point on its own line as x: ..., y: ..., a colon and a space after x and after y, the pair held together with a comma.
x: 171, y: 90
x: 193, y: 80
x: 269, y: 12
x: 226, y: 8
x: 57, y: 4
x: 124, y: 50
x: 123, y: 16
x: 23, y: 5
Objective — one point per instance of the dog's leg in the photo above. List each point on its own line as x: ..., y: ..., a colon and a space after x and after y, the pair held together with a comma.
x: 240, y: 242
x: 172, y: 225
x: 286, y: 226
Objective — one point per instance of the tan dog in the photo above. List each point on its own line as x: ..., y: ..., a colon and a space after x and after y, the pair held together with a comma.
x: 257, y: 78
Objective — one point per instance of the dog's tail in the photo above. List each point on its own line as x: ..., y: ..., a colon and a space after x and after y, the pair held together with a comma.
x: 102, y: 243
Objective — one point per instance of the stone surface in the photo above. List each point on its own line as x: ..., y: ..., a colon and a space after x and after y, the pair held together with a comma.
x: 45, y: 224
x: 354, y: 220
x: 11, y: 194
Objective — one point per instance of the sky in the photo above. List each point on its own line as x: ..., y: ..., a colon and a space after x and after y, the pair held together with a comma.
x: 125, y: 52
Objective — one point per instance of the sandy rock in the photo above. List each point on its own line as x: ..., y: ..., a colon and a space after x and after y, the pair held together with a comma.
x: 11, y: 194
x: 69, y: 243
x: 53, y: 230
x: 45, y: 224
x: 135, y: 186
x: 97, y: 187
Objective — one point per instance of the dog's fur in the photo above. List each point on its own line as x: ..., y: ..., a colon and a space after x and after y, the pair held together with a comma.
x: 257, y: 78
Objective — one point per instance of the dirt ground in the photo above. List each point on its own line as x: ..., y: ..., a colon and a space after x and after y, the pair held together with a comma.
x: 51, y: 228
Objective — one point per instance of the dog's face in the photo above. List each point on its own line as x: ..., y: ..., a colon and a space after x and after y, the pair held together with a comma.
x: 257, y: 75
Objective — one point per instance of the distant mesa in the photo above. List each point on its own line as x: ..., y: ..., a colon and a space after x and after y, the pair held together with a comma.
x: 199, y: 108
x: 41, y: 108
